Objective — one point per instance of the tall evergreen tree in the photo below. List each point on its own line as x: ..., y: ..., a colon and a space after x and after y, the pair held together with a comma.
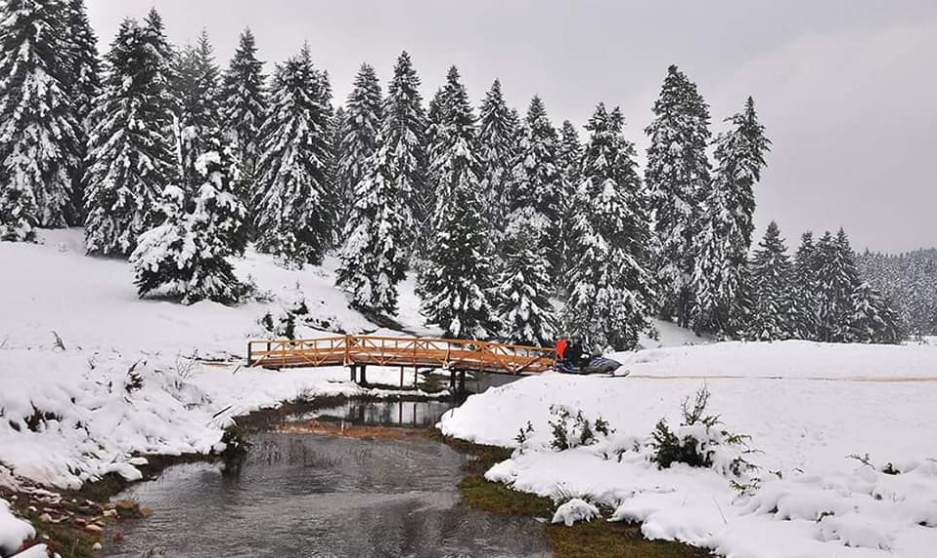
x: 498, y: 153
x: 363, y: 116
x: 772, y: 313
x: 130, y: 152
x: 196, y: 88
x: 678, y: 176
x: 540, y: 182
x: 610, y: 289
x: 725, y: 224
x: 435, y: 122
x: 83, y: 81
x: 525, y: 283
x: 374, y: 254
x: 838, y: 279
x: 404, y: 131
x: 457, y: 284
x: 293, y: 216
x: 569, y: 158
x: 38, y: 129
x: 873, y: 319
x: 806, y: 285
x: 243, y: 105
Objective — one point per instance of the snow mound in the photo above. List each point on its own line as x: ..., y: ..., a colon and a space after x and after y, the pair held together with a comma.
x: 13, y: 531
x: 574, y: 511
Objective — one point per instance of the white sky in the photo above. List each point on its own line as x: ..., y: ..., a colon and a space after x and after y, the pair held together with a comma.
x: 846, y: 88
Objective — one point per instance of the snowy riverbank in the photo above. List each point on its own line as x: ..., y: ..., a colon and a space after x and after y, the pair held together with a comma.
x: 807, y: 407
x: 90, y: 375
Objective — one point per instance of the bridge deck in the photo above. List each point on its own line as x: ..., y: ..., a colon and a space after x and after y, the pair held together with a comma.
x: 450, y: 354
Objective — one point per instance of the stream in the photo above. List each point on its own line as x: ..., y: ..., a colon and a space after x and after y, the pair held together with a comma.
x: 301, y: 495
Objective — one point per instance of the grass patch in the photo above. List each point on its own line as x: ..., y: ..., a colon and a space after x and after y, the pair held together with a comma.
x: 595, y: 539
x: 601, y: 539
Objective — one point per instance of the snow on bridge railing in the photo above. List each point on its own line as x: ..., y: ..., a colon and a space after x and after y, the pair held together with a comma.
x: 451, y: 354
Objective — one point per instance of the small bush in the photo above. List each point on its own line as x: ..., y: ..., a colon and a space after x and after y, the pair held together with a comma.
x: 696, y: 441
x: 571, y: 431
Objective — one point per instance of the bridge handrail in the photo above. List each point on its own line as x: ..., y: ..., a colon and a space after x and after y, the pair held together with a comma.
x: 389, y: 350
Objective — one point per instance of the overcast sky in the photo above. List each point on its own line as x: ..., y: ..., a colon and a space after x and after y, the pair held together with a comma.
x: 846, y: 88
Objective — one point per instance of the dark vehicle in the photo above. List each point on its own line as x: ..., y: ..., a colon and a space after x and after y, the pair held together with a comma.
x: 593, y: 365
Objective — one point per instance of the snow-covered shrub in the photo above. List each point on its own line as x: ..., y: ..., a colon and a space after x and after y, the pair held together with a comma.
x: 698, y: 440
x: 570, y: 431
x: 523, y: 437
x: 574, y: 511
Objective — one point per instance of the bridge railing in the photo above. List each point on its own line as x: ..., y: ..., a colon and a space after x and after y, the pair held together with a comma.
x: 453, y: 354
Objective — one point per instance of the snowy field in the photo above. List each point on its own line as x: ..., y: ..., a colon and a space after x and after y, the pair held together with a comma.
x: 807, y: 408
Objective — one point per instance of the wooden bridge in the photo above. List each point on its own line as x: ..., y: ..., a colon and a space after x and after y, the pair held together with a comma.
x: 359, y: 351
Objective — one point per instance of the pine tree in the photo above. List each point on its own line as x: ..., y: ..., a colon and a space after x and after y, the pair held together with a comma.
x: 130, y: 152
x: 498, y: 152
x: 363, y: 116
x: 435, y: 144
x: 374, y: 253
x: 677, y: 175
x: 38, y: 130
x: 186, y: 256
x: 243, y: 105
x: 838, y: 279
x: 873, y: 318
x: 457, y: 285
x: 569, y: 158
x: 83, y: 82
x: 609, y: 288
x: 196, y: 88
x: 725, y: 224
x: 525, y: 283
x: 404, y: 132
x: 293, y: 215
x: 772, y: 314
x: 806, y: 285
x: 540, y: 183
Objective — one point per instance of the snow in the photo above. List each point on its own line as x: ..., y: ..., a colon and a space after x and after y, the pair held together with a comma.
x: 13, y: 531
x: 808, y: 407
x: 574, y: 511
x: 124, y: 384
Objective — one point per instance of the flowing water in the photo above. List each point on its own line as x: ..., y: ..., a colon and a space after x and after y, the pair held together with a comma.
x: 311, y: 496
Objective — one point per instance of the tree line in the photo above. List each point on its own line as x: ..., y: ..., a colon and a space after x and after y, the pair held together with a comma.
x: 175, y: 164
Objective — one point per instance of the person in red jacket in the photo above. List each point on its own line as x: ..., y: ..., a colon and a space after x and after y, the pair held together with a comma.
x: 561, y: 346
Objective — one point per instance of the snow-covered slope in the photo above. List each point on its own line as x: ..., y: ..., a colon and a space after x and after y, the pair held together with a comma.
x: 807, y: 407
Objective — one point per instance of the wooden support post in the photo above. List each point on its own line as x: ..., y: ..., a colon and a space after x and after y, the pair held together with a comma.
x: 452, y: 380
x: 364, y: 375
x: 354, y: 372
x: 461, y: 382
x: 401, y: 377
x: 415, y: 377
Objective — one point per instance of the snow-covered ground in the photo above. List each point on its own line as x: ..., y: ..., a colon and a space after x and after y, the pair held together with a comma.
x: 120, y: 382
x: 808, y: 407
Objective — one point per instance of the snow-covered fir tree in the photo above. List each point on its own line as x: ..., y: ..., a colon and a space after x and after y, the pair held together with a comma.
x: 404, y: 131
x: 196, y: 87
x: 873, y: 319
x: 293, y: 215
x: 540, y: 182
x: 525, y: 283
x: 725, y: 223
x: 363, y: 117
x: 805, y: 286
x: 83, y: 81
x: 186, y: 256
x: 772, y: 313
x: 610, y: 289
x: 678, y: 176
x: 838, y: 279
x: 131, y: 153
x: 498, y: 153
x: 457, y: 283
x: 569, y: 159
x: 374, y: 256
x: 243, y: 105
x: 435, y: 116
x: 38, y: 128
